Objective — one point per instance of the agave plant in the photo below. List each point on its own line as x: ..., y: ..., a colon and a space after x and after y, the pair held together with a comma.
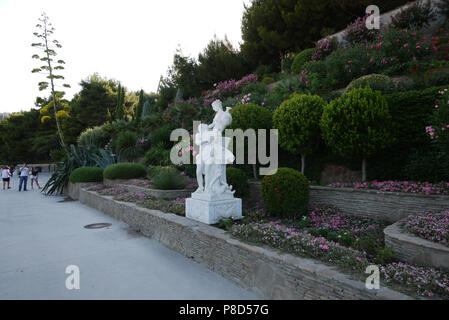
x: 78, y: 157
x: 104, y: 158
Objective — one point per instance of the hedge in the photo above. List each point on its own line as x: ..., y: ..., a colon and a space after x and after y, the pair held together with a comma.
x: 86, y: 174
x: 124, y: 170
x: 410, y: 113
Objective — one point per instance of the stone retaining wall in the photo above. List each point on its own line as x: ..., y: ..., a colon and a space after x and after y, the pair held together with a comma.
x: 414, y: 249
x: 166, y: 194
x: 264, y: 271
x: 388, y: 206
x: 73, y: 189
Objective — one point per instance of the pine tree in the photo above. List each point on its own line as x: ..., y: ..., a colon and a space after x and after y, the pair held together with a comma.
x: 119, y: 112
x: 146, y: 109
x: 140, y: 106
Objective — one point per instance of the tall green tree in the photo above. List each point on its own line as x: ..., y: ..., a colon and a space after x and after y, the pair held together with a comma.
x: 220, y: 61
x: 184, y: 74
x: 298, y: 121
x: 357, y: 125
x: 139, y: 109
x: 119, y: 110
x: 271, y: 29
x: 90, y: 106
x: 47, y: 46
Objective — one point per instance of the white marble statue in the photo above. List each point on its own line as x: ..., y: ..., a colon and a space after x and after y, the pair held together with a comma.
x: 214, y: 200
x: 213, y: 156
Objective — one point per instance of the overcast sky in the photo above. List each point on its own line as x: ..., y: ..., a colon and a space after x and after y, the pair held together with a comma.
x: 132, y: 41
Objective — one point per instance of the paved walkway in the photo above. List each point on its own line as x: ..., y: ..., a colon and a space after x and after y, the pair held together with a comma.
x: 40, y: 236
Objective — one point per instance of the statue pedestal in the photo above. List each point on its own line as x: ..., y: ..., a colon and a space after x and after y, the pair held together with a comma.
x: 210, y: 212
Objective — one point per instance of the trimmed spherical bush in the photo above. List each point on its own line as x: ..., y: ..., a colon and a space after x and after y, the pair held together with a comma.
x: 286, y: 194
x: 378, y: 82
x: 124, y: 170
x: 238, y: 179
x: 86, y: 174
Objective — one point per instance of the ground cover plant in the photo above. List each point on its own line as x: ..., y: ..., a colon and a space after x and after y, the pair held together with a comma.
x: 432, y: 226
x: 425, y: 188
x: 176, y: 206
x: 347, y: 241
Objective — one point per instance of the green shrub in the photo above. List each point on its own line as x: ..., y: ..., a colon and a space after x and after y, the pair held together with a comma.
x: 267, y: 80
x: 378, y: 82
x: 153, y: 171
x: 325, y: 47
x: 126, y: 145
x: 253, y: 92
x: 168, y: 178
x: 286, y: 193
x: 157, y: 156
x: 301, y: 58
x: 275, y: 97
x: 411, y: 151
x: 251, y: 116
x: 255, y: 88
x: 357, y: 125
x: 415, y: 17
x: 298, y: 121
x: 86, y: 174
x: 286, y: 64
x: 357, y: 32
x: 124, y: 170
x: 316, y: 67
x: 263, y: 70
x: 238, y: 180
x: 384, y: 256
x: 346, y: 64
x: 161, y: 135
x: 92, y: 136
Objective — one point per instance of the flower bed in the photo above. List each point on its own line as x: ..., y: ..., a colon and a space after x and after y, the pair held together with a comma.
x: 432, y: 226
x: 347, y: 241
x: 176, y: 206
x: 288, y: 239
x: 427, y: 282
x: 426, y: 188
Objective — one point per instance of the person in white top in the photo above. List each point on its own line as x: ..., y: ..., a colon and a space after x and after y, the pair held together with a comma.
x: 23, y: 176
x: 5, y: 177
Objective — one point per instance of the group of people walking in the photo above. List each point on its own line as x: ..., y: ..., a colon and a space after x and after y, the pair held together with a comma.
x: 23, y: 173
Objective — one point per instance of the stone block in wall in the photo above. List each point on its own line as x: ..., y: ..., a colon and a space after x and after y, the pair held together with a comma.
x: 333, y: 173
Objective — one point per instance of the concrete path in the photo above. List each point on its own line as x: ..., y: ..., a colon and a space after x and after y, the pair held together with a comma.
x: 40, y: 236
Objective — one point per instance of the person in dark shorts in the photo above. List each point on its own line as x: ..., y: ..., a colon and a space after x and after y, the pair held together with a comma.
x: 34, y: 177
x: 6, y: 177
